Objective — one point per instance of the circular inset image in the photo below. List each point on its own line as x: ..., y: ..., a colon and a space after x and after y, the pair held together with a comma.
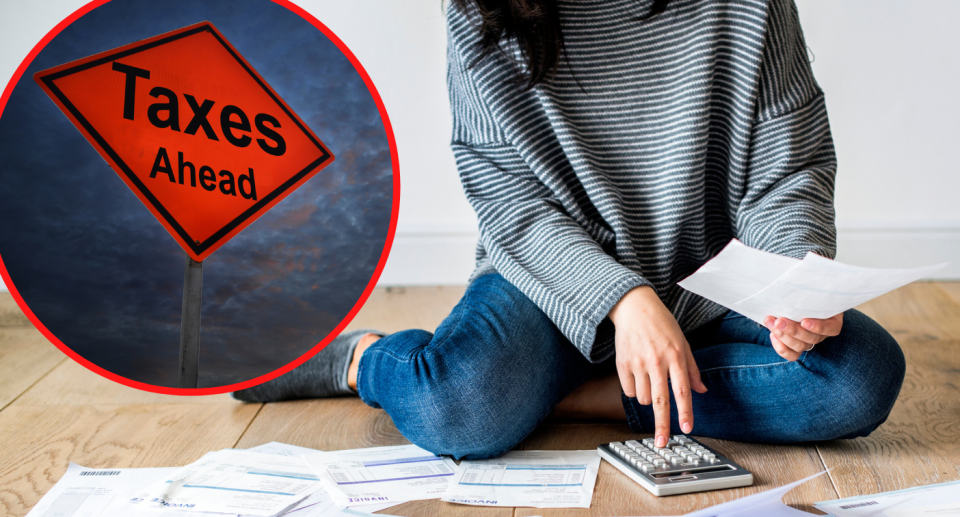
x: 198, y: 195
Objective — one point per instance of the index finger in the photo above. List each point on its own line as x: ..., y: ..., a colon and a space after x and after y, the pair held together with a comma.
x: 680, y: 379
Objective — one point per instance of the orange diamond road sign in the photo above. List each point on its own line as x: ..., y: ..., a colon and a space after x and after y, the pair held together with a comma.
x: 192, y: 129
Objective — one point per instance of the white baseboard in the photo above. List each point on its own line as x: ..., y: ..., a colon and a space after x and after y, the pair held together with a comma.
x: 431, y: 255
x: 444, y: 255
x: 902, y: 246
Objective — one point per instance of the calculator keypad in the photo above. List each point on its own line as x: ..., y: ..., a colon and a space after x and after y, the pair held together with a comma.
x: 680, y: 450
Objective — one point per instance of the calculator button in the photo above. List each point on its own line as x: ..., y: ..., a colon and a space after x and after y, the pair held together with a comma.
x: 633, y: 444
x: 659, y: 462
x: 649, y: 442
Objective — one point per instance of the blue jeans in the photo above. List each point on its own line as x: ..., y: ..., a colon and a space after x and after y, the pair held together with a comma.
x: 497, y: 366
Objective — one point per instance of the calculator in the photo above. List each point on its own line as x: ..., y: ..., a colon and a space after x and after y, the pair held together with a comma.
x: 683, y: 466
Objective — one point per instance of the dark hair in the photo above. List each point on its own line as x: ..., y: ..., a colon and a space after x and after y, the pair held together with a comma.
x: 535, y: 25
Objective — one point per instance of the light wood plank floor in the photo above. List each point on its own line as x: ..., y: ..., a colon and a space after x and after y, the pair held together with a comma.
x: 53, y: 411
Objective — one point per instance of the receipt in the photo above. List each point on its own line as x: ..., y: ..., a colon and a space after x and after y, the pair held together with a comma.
x: 940, y: 500
x: 756, y: 284
x: 380, y: 475
x: 541, y: 479
x: 234, y: 481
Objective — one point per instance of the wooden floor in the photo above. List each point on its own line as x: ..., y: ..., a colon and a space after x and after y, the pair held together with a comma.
x: 53, y: 411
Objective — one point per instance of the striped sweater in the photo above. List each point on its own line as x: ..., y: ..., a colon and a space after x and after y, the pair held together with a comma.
x: 653, y: 145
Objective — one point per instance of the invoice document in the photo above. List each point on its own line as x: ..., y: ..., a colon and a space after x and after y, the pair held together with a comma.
x: 757, y: 284
x: 392, y: 475
x: 940, y: 500
x: 86, y: 492
x: 234, y: 481
x: 541, y: 479
x: 319, y: 503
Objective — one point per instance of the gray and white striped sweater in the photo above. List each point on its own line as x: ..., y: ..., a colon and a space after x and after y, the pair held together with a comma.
x: 653, y: 145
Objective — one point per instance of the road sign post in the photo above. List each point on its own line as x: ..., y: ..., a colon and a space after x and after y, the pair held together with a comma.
x: 197, y: 134
x: 188, y: 373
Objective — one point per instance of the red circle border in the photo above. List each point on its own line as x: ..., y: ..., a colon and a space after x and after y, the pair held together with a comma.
x: 395, y: 210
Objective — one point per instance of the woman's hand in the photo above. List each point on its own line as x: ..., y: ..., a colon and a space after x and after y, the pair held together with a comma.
x: 790, y: 339
x: 651, y: 350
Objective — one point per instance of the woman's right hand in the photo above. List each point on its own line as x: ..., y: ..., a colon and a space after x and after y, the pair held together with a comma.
x: 652, y: 353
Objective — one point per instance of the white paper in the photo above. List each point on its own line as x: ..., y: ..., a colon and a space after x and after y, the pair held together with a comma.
x: 764, y: 504
x: 541, y: 479
x: 940, y: 500
x: 84, y: 491
x: 102, y: 492
x: 382, y: 475
x: 737, y: 272
x: 759, y: 284
x: 234, y: 481
x: 282, y: 449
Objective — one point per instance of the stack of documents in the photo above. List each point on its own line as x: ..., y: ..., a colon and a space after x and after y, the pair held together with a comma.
x: 277, y: 479
x: 759, y: 284
x: 255, y: 482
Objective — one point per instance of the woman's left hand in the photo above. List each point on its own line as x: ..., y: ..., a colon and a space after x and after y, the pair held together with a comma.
x: 790, y: 339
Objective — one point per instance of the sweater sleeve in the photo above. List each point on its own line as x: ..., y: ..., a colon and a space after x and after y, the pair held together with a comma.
x: 526, y: 233
x: 787, y: 202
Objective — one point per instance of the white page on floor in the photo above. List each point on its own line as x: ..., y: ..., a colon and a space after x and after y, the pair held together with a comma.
x: 237, y: 482
x: 940, y: 500
x: 282, y: 449
x: 539, y: 479
x: 821, y: 288
x: 88, y: 492
x: 381, y: 475
x: 737, y: 272
x: 765, y: 504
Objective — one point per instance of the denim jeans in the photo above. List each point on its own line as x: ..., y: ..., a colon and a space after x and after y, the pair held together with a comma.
x: 497, y: 366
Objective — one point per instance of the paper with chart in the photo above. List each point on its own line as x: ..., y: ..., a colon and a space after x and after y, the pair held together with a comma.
x: 541, y: 479
x: 940, y: 500
x: 757, y: 284
x: 234, y: 481
x: 319, y: 503
x: 86, y: 492
x: 382, y: 474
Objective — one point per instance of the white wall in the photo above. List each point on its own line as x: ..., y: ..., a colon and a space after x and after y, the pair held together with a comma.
x: 891, y: 74
x: 889, y: 69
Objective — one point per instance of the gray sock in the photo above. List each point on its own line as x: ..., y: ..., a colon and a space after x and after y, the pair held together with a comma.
x: 323, y: 375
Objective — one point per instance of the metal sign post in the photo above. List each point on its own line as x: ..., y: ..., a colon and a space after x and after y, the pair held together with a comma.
x: 189, y: 369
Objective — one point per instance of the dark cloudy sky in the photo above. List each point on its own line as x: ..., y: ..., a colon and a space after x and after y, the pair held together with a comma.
x: 107, y: 279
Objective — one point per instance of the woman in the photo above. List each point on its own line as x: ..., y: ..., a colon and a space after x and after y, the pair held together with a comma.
x: 610, y: 148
